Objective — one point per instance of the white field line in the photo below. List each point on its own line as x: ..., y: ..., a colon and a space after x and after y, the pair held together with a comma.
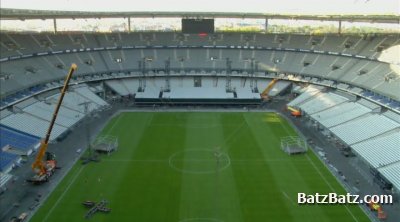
x: 323, y: 177
x: 62, y: 195
x: 330, y: 186
x: 150, y: 120
x: 114, y: 124
x: 287, y: 196
x: 231, y: 136
x: 75, y: 177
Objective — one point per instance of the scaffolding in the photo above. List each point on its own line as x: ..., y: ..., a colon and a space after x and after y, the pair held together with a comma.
x: 105, y: 144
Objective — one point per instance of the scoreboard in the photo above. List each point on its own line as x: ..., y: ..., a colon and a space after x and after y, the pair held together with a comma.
x: 197, y: 26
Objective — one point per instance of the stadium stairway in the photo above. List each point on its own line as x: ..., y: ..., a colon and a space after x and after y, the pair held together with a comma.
x: 4, y: 178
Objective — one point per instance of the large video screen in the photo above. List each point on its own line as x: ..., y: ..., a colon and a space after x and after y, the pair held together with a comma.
x: 196, y: 26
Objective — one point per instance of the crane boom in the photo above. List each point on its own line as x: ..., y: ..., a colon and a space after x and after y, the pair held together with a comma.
x: 264, y: 94
x: 38, y: 164
x: 295, y: 112
x: 269, y: 87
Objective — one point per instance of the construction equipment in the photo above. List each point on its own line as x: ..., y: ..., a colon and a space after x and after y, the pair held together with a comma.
x: 295, y: 112
x: 373, y: 206
x: 264, y: 94
x: 96, y: 207
x: 20, y: 218
x: 45, y: 169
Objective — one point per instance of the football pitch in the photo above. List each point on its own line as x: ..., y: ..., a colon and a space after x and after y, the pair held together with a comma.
x: 198, y: 167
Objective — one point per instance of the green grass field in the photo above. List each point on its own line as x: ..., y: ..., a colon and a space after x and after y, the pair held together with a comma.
x: 167, y: 169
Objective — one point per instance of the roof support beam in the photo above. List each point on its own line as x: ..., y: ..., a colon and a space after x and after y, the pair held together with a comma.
x: 55, y: 25
x: 129, y: 24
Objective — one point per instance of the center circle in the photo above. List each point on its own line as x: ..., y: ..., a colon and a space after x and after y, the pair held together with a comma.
x: 199, y: 161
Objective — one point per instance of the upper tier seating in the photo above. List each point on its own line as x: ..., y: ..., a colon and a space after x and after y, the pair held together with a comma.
x: 28, y: 44
x: 375, y: 75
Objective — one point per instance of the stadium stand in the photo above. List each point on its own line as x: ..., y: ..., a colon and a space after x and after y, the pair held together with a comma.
x: 321, y: 102
x: 342, y: 86
x: 34, y: 116
x: 4, y: 113
x: 246, y: 93
x: 198, y: 93
x: 340, y: 114
x: 119, y: 88
x: 4, y: 178
x: 353, y: 65
x: 25, y: 103
x: 331, y: 42
x: 32, y: 125
x: 278, y: 88
x: 17, y: 142
x: 73, y: 100
x: 7, y: 161
x: 392, y: 172
x: 370, y: 105
x: 116, y: 86
x: 309, y: 92
x: 44, y: 111
x: 363, y: 128
x: 150, y: 92
x: 85, y: 92
x: 152, y: 87
x: 380, y: 151
x: 392, y: 115
x: 373, y: 135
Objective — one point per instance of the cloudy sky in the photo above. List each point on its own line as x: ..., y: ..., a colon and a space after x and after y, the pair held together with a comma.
x: 264, y: 6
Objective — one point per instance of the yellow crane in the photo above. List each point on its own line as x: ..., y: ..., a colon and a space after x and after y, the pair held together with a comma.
x: 44, y: 169
x: 264, y: 94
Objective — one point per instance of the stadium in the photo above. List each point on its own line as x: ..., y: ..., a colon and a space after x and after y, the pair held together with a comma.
x: 207, y: 115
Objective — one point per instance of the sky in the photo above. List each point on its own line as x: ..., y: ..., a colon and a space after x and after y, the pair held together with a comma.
x: 260, y: 6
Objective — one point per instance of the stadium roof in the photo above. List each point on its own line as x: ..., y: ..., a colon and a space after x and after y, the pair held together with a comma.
x: 22, y: 14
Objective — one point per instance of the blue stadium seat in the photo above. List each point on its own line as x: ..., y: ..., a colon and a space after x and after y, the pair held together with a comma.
x: 6, y: 159
x: 17, y: 139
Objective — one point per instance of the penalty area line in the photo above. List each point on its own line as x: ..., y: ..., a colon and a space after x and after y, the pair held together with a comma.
x: 62, y: 195
x: 322, y: 176
x: 287, y: 196
x: 330, y: 186
x: 114, y: 124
